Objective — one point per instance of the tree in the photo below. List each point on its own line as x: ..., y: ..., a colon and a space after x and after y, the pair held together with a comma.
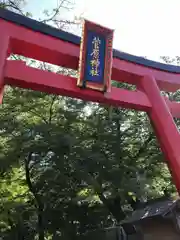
x: 68, y: 166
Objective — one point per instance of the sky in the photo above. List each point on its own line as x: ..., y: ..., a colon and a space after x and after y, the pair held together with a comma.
x: 147, y: 28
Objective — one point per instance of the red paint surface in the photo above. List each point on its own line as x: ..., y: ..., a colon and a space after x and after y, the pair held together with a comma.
x: 147, y: 98
x: 167, y: 132
x: 48, y: 49
x: 18, y: 74
x: 4, y: 47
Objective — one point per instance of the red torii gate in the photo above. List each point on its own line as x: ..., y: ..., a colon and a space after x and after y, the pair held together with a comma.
x: 27, y: 37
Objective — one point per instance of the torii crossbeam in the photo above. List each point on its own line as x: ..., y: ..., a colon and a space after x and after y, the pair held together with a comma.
x: 27, y: 37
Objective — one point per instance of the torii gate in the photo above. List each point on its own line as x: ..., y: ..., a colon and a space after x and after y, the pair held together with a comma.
x: 27, y: 37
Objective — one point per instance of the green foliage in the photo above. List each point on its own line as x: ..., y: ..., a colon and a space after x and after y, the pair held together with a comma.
x: 68, y: 166
x: 85, y: 160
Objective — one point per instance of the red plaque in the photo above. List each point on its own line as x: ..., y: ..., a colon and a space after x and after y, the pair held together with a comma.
x: 96, y: 54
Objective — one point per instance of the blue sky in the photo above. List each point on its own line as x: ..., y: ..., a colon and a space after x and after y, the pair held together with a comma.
x: 36, y: 7
x: 142, y: 27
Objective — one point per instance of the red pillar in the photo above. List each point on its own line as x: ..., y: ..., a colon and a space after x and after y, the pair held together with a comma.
x: 165, y: 127
x: 4, y: 52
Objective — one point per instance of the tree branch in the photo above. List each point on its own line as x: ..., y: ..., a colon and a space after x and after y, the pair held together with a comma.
x: 14, y: 5
x: 39, y: 115
x: 56, y: 12
x: 51, y: 108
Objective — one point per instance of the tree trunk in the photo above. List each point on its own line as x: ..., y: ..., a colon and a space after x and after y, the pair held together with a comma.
x: 39, y: 204
x: 40, y: 224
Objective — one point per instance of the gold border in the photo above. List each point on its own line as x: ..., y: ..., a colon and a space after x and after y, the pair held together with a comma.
x: 87, y: 25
